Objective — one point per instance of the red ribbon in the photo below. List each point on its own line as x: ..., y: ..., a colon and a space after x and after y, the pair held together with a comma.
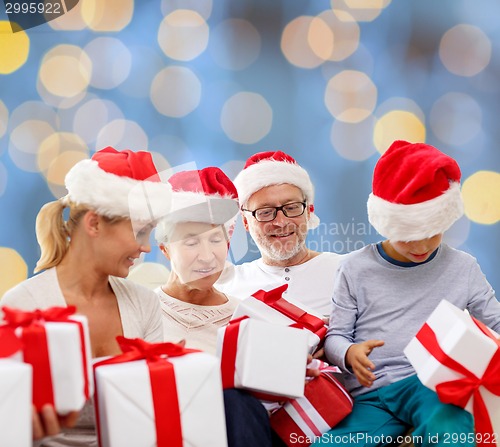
x: 33, y: 342
x: 460, y: 391
x: 229, y: 351
x: 163, y: 385
x: 273, y: 298
x: 228, y: 360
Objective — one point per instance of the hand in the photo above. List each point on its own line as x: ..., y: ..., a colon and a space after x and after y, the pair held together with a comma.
x: 311, y: 372
x: 320, y: 354
x: 48, y: 423
x: 357, y: 358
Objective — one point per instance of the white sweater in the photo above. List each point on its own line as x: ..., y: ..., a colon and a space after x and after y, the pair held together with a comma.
x: 194, y: 323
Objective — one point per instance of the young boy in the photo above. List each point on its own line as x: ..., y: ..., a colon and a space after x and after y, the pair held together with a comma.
x: 386, y: 291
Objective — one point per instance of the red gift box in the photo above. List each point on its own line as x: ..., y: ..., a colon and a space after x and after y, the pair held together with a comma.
x: 325, y: 403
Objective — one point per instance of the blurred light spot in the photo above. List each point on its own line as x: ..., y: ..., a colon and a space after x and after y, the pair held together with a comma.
x: 456, y: 118
x: 3, y: 179
x: 397, y: 125
x: 14, y: 269
x: 465, y: 50
x: 92, y: 116
x: 246, y: 117
x: 65, y: 71
x: 320, y: 38
x: 111, y: 62
x: 295, y: 43
x: 53, y: 146
x: 71, y: 20
x: 350, y: 96
x: 458, y: 233
x: 346, y: 33
x: 14, y: 48
x: 109, y: 15
x: 58, y: 169
x: 353, y: 141
x: 4, y: 118
x: 481, y: 194
x: 202, y: 7
x: 183, y: 35
x: 175, y: 91
x: 159, y: 161
x: 235, y: 44
x: 360, y: 10
x: 24, y: 142
x: 122, y: 134
x: 149, y: 274
x: 60, y: 102
x: 33, y: 110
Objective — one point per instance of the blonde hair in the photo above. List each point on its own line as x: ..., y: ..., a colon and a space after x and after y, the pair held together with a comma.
x: 53, y: 233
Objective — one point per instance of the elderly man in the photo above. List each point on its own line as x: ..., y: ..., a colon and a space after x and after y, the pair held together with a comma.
x: 277, y: 204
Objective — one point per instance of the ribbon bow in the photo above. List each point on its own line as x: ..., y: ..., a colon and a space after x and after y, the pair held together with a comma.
x: 139, y: 349
x: 23, y: 318
x: 10, y: 343
x: 163, y: 384
x: 460, y: 391
x: 273, y: 298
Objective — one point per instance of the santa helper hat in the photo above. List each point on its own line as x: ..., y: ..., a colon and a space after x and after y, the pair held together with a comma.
x: 206, y: 195
x: 416, y: 192
x: 275, y: 168
x: 119, y: 184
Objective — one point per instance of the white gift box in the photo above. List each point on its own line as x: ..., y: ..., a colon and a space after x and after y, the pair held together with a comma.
x: 15, y: 404
x: 257, y: 309
x: 125, y: 402
x: 270, y: 359
x: 67, y: 364
x: 462, y: 340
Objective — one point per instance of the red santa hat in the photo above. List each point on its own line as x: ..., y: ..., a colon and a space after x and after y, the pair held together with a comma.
x: 416, y: 192
x: 275, y: 168
x: 119, y: 184
x: 207, y: 195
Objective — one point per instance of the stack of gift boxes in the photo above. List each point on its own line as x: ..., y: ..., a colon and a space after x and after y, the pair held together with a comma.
x: 153, y: 394
x: 45, y: 360
x: 163, y: 394
x: 264, y: 350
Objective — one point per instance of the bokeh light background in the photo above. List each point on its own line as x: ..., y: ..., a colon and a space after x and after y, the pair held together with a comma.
x: 210, y: 82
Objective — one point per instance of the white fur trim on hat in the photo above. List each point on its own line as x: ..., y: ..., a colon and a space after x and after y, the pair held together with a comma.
x: 116, y: 196
x: 197, y: 207
x: 274, y: 172
x: 417, y: 221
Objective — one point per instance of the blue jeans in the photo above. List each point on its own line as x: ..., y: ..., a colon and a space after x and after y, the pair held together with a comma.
x: 247, y: 422
x: 383, y: 416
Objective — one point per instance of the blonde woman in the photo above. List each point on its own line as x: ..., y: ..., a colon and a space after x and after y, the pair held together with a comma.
x: 114, y: 200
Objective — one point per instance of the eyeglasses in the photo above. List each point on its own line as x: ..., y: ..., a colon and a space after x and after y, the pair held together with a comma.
x: 294, y: 209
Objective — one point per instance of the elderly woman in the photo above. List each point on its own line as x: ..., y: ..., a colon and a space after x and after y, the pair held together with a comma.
x: 194, y: 237
x: 114, y: 199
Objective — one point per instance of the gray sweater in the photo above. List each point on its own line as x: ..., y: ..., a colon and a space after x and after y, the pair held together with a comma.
x: 375, y: 299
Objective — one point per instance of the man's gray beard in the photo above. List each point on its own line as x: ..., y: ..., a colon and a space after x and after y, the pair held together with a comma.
x: 279, y: 254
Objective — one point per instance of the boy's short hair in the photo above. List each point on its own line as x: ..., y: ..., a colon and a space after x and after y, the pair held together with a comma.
x: 415, y: 192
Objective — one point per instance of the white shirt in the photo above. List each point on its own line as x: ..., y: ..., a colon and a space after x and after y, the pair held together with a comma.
x: 310, y: 283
